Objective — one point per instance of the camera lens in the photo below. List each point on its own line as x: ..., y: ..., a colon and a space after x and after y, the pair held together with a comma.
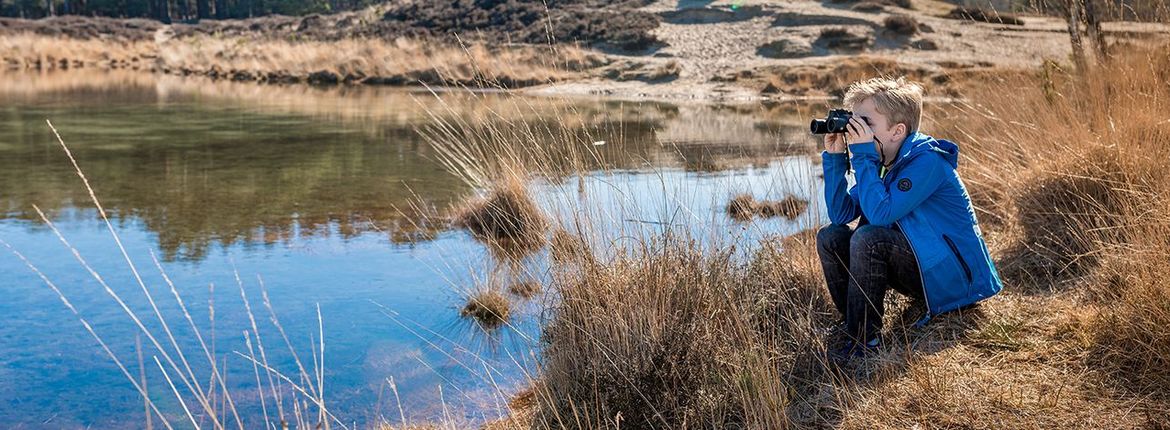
x: 819, y: 126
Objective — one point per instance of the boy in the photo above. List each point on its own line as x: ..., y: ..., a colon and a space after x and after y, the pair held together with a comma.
x: 917, y: 231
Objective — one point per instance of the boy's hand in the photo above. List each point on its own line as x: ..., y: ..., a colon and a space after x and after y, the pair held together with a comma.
x: 835, y: 143
x: 859, y: 131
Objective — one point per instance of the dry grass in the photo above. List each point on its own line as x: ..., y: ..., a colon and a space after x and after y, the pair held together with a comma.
x: 1067, y: 217
x: 360, y: 59
x: 668, y: 335
x: 525, y: 289
x: 1132, y: 331
x: 370, y: 61
x: 489, y: 308
x: 789, y: 207
x: 567, y: 248
x: 868, y: 6
x: 743, y: 207
x: 984, y: 15
x: 507, y: 219
x: 665, y: 72
x: 30, y: 51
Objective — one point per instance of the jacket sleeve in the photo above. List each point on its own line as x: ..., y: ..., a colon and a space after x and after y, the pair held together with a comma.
x: 841, y: 205
x: 914, y: 183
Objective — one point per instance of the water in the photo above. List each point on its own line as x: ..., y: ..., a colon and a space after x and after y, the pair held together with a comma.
x: 309, y: 191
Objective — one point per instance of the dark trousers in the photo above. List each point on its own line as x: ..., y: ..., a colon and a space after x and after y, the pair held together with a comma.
x: 860, y: 266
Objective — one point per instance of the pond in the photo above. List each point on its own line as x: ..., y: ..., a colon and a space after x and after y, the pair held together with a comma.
x: 317, y: 198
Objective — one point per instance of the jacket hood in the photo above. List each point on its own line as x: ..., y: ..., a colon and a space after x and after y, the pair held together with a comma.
x: 918, y: 143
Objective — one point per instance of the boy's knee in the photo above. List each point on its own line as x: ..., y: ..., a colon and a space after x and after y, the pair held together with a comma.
x: 832, y: 236
x: 867, y: 236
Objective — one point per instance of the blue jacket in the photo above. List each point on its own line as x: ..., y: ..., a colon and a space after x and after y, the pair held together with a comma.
x: 923, y: 196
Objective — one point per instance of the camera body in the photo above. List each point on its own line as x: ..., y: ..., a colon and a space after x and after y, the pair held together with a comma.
x: 833, y: 123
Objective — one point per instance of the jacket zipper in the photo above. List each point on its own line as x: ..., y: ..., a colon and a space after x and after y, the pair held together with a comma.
x: 962, y: 262
x: 921, y: 280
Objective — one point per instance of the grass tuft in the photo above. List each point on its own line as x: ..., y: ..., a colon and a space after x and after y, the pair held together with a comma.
x: 743, y: 207
x: 789, y: 207
x: 507, y: 219
x: 489, y: 308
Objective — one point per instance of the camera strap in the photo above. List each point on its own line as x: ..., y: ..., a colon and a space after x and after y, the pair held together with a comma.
x: 881, y: 153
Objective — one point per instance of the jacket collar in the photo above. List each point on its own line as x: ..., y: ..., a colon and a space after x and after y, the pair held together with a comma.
x: 915, y: 142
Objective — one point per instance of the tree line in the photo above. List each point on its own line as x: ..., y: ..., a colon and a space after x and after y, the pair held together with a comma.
x: 168, y: 11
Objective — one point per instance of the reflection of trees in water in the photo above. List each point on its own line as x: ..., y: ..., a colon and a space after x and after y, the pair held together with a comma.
x: 267, y: 186
x: 199, y: 166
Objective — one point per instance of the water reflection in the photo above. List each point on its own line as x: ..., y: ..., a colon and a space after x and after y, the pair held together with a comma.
x: 204, y: 163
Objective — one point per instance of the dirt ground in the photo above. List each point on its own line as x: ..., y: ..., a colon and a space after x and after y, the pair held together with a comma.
x: 727, y: 50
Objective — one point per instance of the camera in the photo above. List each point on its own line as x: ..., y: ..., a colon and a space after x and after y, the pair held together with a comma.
x: 834, y: 123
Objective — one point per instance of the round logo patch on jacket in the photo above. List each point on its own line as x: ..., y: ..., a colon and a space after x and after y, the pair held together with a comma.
x: 904, y: 184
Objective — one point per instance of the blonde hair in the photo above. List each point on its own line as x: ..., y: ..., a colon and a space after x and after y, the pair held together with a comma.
x: 899, y: 100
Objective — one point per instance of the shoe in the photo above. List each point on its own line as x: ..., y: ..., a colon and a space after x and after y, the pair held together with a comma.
x: 922, y: 322
x: 853, y: 349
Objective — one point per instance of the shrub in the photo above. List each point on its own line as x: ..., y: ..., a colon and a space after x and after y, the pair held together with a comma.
x: 904, y: 25
x: 785, y: 48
